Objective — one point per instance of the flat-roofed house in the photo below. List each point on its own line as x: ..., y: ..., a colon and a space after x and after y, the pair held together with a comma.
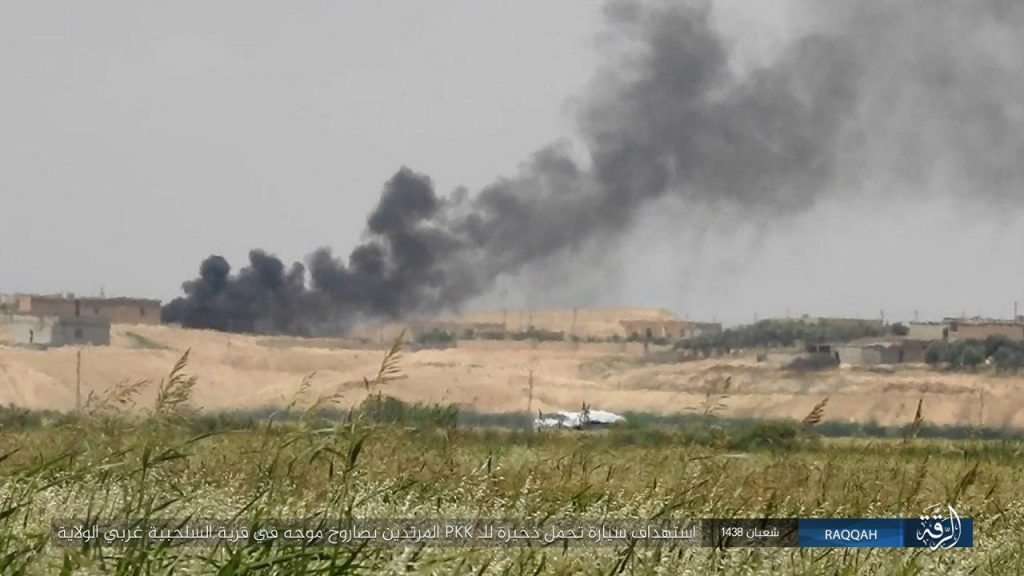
x: 46, y: 331
x: 978, y: 328
x: 875, y: 351
x: 116, y: 310
x: 672, y: 329
x: 928, y: 331
x: 697, y: 329
x: 869, y: 352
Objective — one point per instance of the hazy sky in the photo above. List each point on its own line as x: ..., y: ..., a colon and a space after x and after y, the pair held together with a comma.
x: 136, y: 138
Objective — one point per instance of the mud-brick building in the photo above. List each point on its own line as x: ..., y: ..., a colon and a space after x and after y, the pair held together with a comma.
x: 928, y: 331
x: 47, y: 331
x: 981, y: 328
x: 872, y: 352
x: 697, y: 329
x: 670, y: 329
x: 115, y: 310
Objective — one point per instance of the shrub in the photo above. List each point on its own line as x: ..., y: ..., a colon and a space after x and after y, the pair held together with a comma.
x: 780, y: 435
x: 971, y: 356
x: 936, y: 353
x: 436, y: 339
x: 539, y: 335
x: 383, y: 409
x: 1008, y: 358
x: 813, y: 362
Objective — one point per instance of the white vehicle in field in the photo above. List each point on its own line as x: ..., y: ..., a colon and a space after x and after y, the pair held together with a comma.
x: 582, y: 420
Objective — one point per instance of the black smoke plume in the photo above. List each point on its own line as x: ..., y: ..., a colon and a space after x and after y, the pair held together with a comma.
x: 898, y: 94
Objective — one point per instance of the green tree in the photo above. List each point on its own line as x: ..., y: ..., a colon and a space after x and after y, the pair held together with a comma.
x: 972, y: 355
x: 899, y: 329
x: 936, y: 353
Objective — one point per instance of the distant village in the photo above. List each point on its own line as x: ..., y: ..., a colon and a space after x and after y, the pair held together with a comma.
x: 894, y: 344
x: 44, y: 321
x: 901, y: 346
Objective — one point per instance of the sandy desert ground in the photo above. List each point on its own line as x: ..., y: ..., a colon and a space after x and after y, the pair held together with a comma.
x: 241, y: 371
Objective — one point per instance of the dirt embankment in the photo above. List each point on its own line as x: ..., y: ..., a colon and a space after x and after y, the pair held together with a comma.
x: 238, y: 371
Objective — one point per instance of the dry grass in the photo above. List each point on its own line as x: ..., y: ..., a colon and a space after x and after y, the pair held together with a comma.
x: 242, y: 371
x: 139, y: 469
x: 148, y: 466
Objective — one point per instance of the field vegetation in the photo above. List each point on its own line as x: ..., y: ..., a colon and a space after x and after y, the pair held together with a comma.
x: 1003, y: 354
x: 312, y: 460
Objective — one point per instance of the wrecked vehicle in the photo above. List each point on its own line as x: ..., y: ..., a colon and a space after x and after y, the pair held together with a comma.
x: 582, y: 420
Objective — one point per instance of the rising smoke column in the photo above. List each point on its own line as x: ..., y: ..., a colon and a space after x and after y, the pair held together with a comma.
x: 902, y: 93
